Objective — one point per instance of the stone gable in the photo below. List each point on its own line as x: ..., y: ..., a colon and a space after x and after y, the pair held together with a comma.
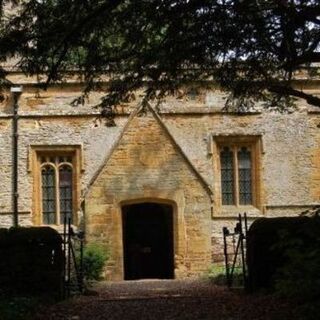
x: 146, y: 166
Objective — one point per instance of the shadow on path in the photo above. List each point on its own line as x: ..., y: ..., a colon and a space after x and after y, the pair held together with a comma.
x: 167, y: 299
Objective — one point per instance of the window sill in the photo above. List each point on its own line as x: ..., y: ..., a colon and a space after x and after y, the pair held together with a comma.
x: 231, y: 212
x: 59, y: 227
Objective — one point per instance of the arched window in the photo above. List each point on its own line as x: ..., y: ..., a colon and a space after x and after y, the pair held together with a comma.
x: 245, y: 176
x: 227, y: 179
x: 49, y: 208
x: 57, y: 180
x: 65, y: 192
x: 236, y: 166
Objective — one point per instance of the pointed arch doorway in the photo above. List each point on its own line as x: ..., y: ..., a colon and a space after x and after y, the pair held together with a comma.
x: 148, y: 241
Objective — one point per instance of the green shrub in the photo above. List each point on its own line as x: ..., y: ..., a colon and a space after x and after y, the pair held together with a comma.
x: 283, y: 255
x: 31, y: 261
x: 95, y: 257
x: 299, y: 276
x: 215, y: 270
x: 217, y: 274
x: 266, y: 249
x: 21, y: 307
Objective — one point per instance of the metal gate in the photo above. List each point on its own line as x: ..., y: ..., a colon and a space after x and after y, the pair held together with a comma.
x: 73, y: 276
x: 235, y: 252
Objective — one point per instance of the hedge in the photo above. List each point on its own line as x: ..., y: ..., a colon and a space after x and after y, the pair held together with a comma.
x: 31, y: 261
x: 273, y: 244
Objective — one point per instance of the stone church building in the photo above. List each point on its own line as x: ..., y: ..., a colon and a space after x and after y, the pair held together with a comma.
x: 156, y: 188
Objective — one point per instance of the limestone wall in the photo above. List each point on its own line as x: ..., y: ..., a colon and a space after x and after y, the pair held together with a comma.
x: 54, y: 125
x: 290, y: 162
x: 288, y: 142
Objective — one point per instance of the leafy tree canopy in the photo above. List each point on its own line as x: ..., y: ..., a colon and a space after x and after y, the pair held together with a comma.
x: 250, y: 48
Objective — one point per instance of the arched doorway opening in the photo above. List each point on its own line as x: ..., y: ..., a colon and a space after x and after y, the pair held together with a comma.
x: 148, y: 241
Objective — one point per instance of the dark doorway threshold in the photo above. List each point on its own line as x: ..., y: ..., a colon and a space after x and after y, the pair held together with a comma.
x: 148, y: 241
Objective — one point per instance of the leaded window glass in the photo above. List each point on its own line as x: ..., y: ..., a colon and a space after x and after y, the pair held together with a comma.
x: 48, y: 194
x: 227, y: 179
x: 245, y: 179
x: 57, y: 188
x: 236, y: 174
x: 65, y: 192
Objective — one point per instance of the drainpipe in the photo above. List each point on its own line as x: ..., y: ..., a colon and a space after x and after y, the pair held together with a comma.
x: 16, y: 93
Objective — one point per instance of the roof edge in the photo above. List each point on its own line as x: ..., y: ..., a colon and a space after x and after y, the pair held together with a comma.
x: 202, y: 180
x: 109, y: 154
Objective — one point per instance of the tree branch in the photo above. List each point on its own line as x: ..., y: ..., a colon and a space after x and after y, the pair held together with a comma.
x: 284, y: 90
x: 309, y: 57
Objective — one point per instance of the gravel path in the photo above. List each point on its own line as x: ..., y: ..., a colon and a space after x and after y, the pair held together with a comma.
x: 166, y: 299
x: 156, y: 289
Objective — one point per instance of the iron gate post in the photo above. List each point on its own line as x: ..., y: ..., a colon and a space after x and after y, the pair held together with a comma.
x: 225, y: 234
